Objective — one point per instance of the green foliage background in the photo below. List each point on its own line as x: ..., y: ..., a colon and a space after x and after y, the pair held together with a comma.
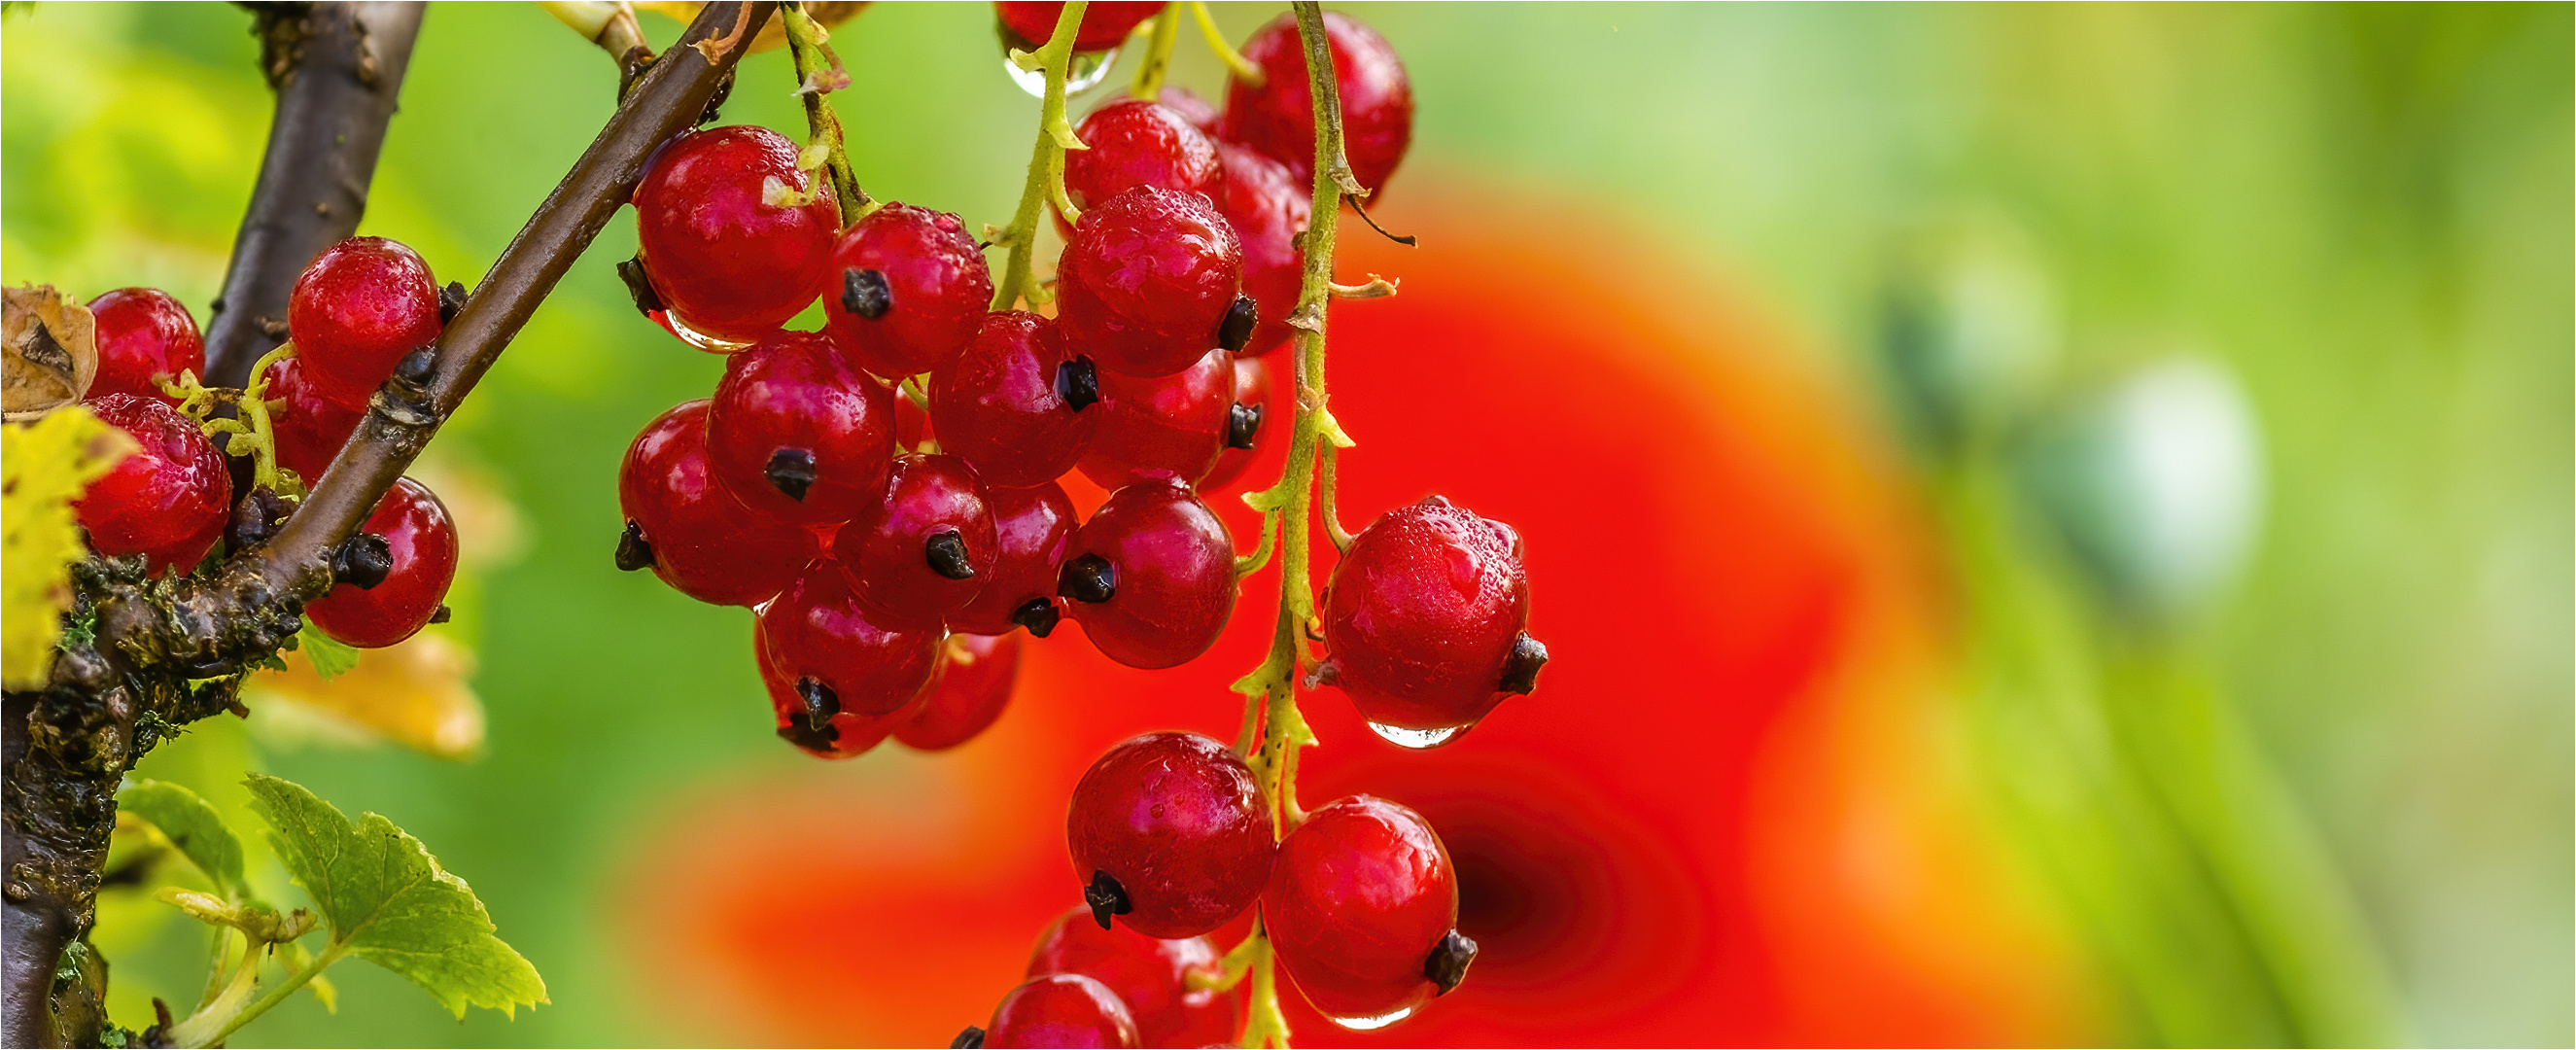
x: 2364, y: 211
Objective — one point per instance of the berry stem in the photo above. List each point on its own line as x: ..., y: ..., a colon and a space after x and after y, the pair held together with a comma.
x: 1333, y: 529
x: 1241, y: 67
x: 1158, y: 54
x: 1046, y: 162
x: 1260, y: 556
x: 818, y: 74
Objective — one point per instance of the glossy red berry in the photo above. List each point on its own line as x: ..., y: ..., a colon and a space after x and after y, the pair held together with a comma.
x: 363, y: 304
x: 1138, y: 143
x: 926, y: 548
x: 832, y: 653
x: 309, y: 427
x: 820, y: 731
x: 1169, y: 834
x: 1060, y: 1010
x: 1105, y: 24
x: 1150, y: 975
x: 1278, y: 118
x: 1173, y: 426
x: 1253, y: 410
x: 798, y: 433
x: 727, y: 256
x: 1362, y: 908
x: 1149, y: 280
x: 1151, y: 576
x: 1017, y: 405
x: 908, y: 288
x: 1199, y: 112
x: 698, y: 538
x: 421, y: 540
x: 1426, y: 617
x: 144, y: 336
x: 168, y: 500
x: 976, y: 672
x: 1031, y: 529
x: 1268, y: 206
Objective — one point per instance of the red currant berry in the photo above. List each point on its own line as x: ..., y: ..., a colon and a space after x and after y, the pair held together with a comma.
x: 1173, y: 426
x: 420, y: 541
x: 836, y: 734
x: 1252, y: 409
x: 144, y: 336
x: 798, y: 433
x: 169, y: 499
x: 1016, y: 405
x: 363, y: 304
x: 835, y: 657
x: 309, y: 427
x: 926, y: 548
x: 698, y: 538
x: 908, y: 288
x: 976, y: 672
x: 1363, y: 910
x: 1268, y: 207
x: 1278, y: 118
x: 1426, y: 619
x: 1057, y: 1010
x: 1168, y: 833
x: 1138, y: 143
x: 1151, y: 976
x: 728, y: 257
x: 1105, y: 24
x: 1199, y: 112
x: 1148, y: 280
x: 1150, y: 576
x: 1031, y: 529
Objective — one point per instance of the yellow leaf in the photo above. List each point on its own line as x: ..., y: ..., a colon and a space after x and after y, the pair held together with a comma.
x: 43, y: 467
x: 414, y: 694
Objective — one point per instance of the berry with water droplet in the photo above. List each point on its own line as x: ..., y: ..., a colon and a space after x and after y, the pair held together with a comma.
x: 1151, y: 576
x: 168, y: 500
x: 1016, y: 404
x: 908, y: 289
x: 362, y: 304
x: 1362, y: 908
x: 1170, y: 831
x: 796, y: 432
x: 1146, y: 281
x: 729, y: 253
x: 1278, y: 117
x: 1426, y: 618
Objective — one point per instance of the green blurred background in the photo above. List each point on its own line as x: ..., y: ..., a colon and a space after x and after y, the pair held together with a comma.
x: 2364, y: 211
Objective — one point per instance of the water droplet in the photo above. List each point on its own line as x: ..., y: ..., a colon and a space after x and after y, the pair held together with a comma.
x: 672, y: 323
x: 1416, y: 739
x: 1086, y: 72
x: 1370, y: 1024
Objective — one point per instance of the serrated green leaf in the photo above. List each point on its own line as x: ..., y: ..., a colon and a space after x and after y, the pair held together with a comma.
x: 191, y: 824
x: 386, y: 900
x: 44, y: 465
x: 330, y: 656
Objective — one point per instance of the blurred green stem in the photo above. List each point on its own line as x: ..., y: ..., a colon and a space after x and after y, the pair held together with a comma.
x: 1158, y: 54
x: 818, y: 74
x: 1046, y: 162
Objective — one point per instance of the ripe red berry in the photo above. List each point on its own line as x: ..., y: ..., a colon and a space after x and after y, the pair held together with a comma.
x: 698, y: 538
x: 1169, y: 834
x: 1363, y: 910
x: 1016, y: 405
x: 1148, y: 974
x: 144, y: 336
x: 309, y: 427
x: 1057, y: 1010
x: 832, y: 654
x: 363, y: 304
x: 1268, y: 206
x: 835, y: 734
x: 1252, y: 410
x: 925, y: 549
x: 798, y: 433
x: 1172, y: 426
x: 169, y: 499
x: 1031, y: 529
x: 421, y: 540
x: 907, y: 289
x: 1150, y: 576
x: 728, y: 258
x: 1105, y: 24
x: 1199, y: 112
x: 1148, y: 280
x: 1426, y: 619
x: 1138, y: 143
x: 973, y: 684
x: 1278, y: 118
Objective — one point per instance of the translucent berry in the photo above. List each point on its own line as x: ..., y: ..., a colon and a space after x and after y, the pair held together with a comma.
x: 832, y: 654
x: 169, y: 499
x: 1105, y: 24
x: 420, y: 545
x: 1138, y: 143
x: 1278, y: 118
x: 927, y: 546
x: 1168, y: 834
x: 309, y: 427
x: 1363, y: 910
x: 1268, y: 205
x: 796, y: 432
x: 728, y: 254
x: 1031, y: 529
x: 976, y: 672
x: 144, y: 336
x: 1426, y: 618
x: 1017, y: 405
x: 1173, y: 426
x: 807, y: 722
x: 1059, y: 1010
x: 1151, y: 576
x: 908, y: 288
x: 698, y: 538
x: 363, y: 304
x: 1148, y: 280
x: 1148, y: 974
x: 1254, y: 409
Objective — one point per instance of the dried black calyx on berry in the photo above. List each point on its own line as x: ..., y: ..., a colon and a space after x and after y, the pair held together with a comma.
x: 1089, y: 579
x: 1106, y: 898
x: 362, y: 561
x: 1520, y: 669
x: 818, y: 741
x: 791, y: 470
x: 946, y: 552
x: 1448, y: 961
x: 1242, y: 424
x: 633, y: 550
x: 450, y: 300
x: 255, y: 519
x: 1077, y: 382
x: 970, y: 1039
x: 865, y: 293
x: 415, y: 367
x: 1235, y: 332
x: 1039, y: 615
x: 442, y: 614
x: 821, y: 703
x: 639, y: 286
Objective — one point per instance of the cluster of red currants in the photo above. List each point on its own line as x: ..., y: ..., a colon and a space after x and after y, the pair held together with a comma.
x: 363, y: 313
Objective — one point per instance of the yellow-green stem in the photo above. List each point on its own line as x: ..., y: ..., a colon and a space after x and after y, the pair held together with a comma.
x: 818, y: 73
x: 1242, y: 68
x: 273, y: 996
x: 1046, y: 162
x: 1158, y: 54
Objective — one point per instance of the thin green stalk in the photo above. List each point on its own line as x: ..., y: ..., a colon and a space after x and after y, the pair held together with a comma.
x: 273, y: 996
x: 1158, y: 54
x: 1046, y: 163
x: 818, y: 74
x: 1242, y: 68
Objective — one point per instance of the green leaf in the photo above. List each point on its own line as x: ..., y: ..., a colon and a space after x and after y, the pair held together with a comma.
x: 191, y: 824
x: 386, y: 900
x: 331, y: 657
